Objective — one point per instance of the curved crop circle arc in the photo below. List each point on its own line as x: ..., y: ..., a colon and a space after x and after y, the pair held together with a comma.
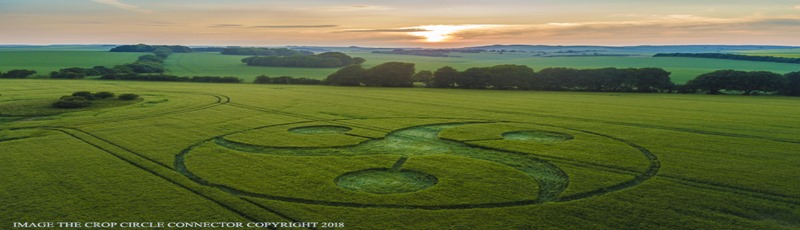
x: 651, y: 171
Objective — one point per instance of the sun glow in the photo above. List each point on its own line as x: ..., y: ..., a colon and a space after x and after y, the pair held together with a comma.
x: 441, y: 33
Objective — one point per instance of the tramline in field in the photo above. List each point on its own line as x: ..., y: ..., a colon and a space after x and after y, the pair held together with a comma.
x: 416, y: 158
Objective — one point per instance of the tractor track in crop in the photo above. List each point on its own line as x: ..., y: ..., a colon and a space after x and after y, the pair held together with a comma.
x: 156, y: 168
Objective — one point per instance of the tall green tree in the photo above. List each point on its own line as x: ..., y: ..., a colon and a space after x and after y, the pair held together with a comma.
x: 352, y: 75
x: 791, y: 86
x: 391, y: 74
x: 764, y: 81
x: 651, y: 79
x: 510, y: 76
x: 18, y: 73
x: 715, y: 81
x: 424, y: 77
x: 558, y: 78
x: 445, y: 77
x: 474, y: 78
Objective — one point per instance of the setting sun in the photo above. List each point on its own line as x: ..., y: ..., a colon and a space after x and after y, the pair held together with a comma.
x: 441, y: 33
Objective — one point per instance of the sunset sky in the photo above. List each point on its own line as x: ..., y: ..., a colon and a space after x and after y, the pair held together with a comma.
x: 407, y: 23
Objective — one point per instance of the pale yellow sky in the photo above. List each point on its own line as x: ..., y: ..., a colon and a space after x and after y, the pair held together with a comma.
x: 410, y: 23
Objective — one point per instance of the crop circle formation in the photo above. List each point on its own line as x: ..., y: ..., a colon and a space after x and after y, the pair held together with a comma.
x: 542, y: 136
x: 411, y: 167
x: 386, y: 181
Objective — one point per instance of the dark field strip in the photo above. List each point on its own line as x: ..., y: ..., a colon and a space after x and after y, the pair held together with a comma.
x: 235, y: 205
x: 13, y: 139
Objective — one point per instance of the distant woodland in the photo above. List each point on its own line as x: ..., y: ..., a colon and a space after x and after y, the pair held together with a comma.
x: 732, y: 57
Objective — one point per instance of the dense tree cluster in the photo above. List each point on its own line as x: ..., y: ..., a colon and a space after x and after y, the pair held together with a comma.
x: 745, y: 82
x: 163, y: 53
x: 398, y: 74
x: 792, y: 84
x: 148, y: 67
x: 605, y: 79
x: 208, y: 49
x: 17, y: 73
x: 390, y: 74
x: 72, y: 102
x: 256, y: 51
x: 731, y: 57
x: 523, y: 77
x: 150, y: 48
x: 78, y: 73
x: 162, y: 77
x: 323, y: 60
x: 150, y: 58
x: 82, y: 99
x: 263, y: 79
x: 141, y: 67
x: 352, y: 75
x: 424, y: 77
x: 148, y: 63
x: 128, y: 96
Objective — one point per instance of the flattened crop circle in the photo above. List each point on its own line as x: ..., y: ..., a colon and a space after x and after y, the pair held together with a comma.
x: 320, y: 129
x: 386, y: 181
x: 400, y: 181
x: 540, y: 136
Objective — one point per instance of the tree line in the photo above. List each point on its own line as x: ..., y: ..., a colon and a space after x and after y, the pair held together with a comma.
x: 257, y: 51
x: 520, y: 77
x: 390, y: 74
x: 732, y: 57
x: 322, y: 60
x: 264, y: 79
x: 148, y: 67
x: 747, y: 83
x: 172, y: 78
x: 17, y: 73
x: 148, y: 63
x: 82, y: 99
x: 150, y: 48
x: 398, y: 74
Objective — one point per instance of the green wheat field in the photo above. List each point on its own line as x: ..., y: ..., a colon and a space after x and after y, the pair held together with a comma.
x: 387, y: 158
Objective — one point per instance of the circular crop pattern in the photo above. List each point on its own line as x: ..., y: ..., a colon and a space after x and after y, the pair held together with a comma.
x: 452, y: 165
x: 542, y: 136
x: 386, y: 181
x: 320, y: 129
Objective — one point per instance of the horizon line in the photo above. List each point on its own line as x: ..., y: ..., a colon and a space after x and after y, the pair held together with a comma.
x: 406, y: 47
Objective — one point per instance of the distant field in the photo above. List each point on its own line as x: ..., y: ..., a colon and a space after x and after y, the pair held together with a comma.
x: 215, y: 64
x: 789, y: 53
x: 407, y: 158
x: 45, y: 60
